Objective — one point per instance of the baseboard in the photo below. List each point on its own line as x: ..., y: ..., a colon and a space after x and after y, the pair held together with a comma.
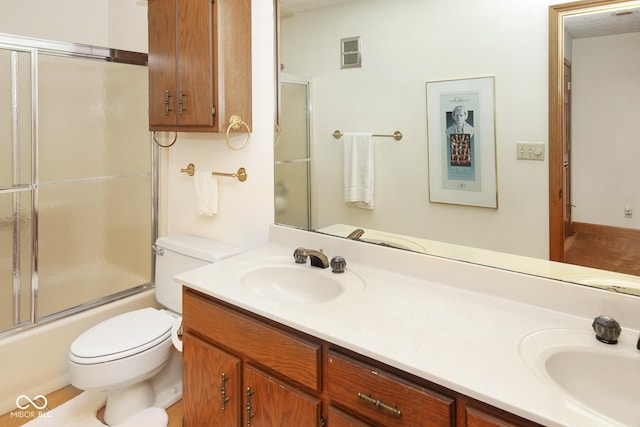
x: 606, y: 230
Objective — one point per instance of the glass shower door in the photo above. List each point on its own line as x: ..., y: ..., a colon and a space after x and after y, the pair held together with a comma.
x: 77, y: 183
x: 15, y: 185
x: 94, y: 192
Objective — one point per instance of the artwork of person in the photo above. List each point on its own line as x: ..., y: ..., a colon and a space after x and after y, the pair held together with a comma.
x: 460, y: 125
x: 459, y: 136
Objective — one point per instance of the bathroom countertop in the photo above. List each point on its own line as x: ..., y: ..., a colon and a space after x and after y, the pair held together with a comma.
x: 444, y: 330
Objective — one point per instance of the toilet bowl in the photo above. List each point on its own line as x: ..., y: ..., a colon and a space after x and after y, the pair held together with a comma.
x: 132, y: 356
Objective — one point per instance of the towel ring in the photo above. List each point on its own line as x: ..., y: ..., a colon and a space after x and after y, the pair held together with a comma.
x: 235, y: 123
x: 278, y: 133
x: 155, y: 139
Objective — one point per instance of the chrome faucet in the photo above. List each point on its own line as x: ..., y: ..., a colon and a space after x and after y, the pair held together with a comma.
x: 318, y: 259
x: 356, y: 234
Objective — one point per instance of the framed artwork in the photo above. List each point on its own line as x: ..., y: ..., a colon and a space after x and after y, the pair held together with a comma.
x: 461, y: 142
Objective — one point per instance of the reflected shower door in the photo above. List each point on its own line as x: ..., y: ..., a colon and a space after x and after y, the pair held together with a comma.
x: 292, y: 198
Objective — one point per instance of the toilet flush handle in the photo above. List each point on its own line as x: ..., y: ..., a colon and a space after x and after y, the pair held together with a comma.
x: 158, y: 250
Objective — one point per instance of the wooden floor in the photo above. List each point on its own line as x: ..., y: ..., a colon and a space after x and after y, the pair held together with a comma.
x: 59, y: 397
x: 606, y: 252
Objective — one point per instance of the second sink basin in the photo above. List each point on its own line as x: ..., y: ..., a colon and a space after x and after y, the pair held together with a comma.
x: 283, y: 280
x: 601, y: 381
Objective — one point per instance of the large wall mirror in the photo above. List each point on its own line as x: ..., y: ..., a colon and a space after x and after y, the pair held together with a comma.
x: 363, y: 66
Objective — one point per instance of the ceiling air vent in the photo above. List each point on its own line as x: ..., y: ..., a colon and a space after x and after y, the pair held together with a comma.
x: 350, y: 54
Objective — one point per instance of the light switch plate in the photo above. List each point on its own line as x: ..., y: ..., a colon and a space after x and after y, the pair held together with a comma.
x: 530, y: 151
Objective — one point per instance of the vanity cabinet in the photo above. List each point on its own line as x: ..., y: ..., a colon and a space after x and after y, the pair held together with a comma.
x: 199, y: 64
x: 241, y: 369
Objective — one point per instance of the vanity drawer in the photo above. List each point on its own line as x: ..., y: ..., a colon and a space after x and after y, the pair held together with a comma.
x: 291, y: 356
x: 384, y: 397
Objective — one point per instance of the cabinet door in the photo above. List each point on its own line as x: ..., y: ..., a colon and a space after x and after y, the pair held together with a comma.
x: 337, y: 418
x: 479, y: 418
x: 211, y: 385
x: 161, y: 17
x: 271, y: 403
x: 195, y: 67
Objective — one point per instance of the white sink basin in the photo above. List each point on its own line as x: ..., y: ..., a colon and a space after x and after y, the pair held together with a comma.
x: 599, y: 382
x: 284, y: 281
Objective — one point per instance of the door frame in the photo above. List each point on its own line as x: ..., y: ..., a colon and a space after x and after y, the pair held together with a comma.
x: 557, y: 118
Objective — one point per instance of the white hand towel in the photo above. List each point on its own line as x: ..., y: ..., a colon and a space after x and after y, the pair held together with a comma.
x: 206, y: 188
x: 358, y: 169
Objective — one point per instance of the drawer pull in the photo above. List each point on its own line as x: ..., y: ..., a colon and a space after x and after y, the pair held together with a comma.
x: 380, y: 404
x: 250, y: 414
x: 223, y: 390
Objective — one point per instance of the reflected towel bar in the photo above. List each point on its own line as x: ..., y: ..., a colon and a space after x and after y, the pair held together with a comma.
x: 397, y: 135
x: 241, y: 174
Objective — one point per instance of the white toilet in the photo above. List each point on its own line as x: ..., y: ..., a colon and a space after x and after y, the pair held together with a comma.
x: 131, y: 356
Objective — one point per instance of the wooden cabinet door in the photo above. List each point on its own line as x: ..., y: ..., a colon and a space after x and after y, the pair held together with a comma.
x: 472, y: 413
x: 211, y: 385
x: 195, y: 20
x: 271, y: 403
x: 161, y: 17
x: 337, y: 418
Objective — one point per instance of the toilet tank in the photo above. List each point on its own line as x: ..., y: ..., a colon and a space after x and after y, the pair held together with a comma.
x: 180, y: 253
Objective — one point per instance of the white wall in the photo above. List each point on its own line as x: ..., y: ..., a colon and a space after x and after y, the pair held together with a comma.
x: 406, y: 44
x: 606, y: 147
x: 245, y: 209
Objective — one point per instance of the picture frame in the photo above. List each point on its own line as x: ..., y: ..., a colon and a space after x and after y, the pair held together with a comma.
x: 461, y: 142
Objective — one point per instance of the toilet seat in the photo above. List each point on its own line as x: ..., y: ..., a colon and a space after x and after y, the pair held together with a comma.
x: 122, y: 336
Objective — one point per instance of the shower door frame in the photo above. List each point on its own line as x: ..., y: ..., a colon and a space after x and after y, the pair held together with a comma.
x: 72, y: 50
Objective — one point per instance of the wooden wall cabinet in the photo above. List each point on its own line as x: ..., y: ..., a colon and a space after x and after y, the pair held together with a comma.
x: 199, y: 64
x: 243, y: 370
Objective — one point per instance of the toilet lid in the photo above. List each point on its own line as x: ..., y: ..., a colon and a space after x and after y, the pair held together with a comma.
x: 121, y: 336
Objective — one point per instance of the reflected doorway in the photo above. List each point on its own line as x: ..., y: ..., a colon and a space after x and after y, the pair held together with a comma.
x: 591, y: 163
x: 293, y: 160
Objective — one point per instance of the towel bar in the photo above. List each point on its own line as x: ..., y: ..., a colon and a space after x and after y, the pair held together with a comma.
x: 241, y: 174
x: 397, y: 135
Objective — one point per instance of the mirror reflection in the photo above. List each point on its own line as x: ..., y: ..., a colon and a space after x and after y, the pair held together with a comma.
x: 407, y: 43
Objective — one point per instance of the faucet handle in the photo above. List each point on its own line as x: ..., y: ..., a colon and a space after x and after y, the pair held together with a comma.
x: 300, y: 256
x: 607, y: 329
x: 338, y: 264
